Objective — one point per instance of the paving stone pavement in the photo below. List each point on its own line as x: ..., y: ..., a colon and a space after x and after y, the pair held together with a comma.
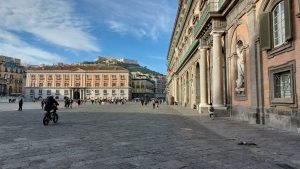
x: 131, y: 136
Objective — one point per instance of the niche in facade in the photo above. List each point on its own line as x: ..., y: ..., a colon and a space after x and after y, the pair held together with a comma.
x: 240, y: 68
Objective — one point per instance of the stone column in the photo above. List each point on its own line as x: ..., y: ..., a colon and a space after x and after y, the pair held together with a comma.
x: 176, y: 89
x: 217, y: 89
x: 71, y: 94
x: 194, y: 89
x: 203, y: 78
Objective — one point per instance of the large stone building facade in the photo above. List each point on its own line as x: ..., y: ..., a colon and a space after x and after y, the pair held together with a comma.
x: 241, y: 56
x: 78, y: 82
x: 12, y: 76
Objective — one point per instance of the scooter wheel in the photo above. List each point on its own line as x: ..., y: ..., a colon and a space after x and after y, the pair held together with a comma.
x: 45, y: 121
x: 55, y: 118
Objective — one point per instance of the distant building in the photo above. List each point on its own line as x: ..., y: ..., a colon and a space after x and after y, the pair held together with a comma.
x: 159, y: 86
x: 142, y: 85
x: 114, y: 60
x: 12, y: 76
x: 127, y: 61
x: 78, y: 82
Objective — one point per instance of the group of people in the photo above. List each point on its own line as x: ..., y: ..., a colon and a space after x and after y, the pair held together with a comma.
x: 155, y: 102
x: 68, y: 102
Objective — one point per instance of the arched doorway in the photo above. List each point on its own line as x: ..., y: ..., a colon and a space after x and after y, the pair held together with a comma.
x: 76, y: 95
x: 197, y: 83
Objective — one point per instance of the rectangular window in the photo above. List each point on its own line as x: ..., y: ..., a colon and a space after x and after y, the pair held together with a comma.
x: 105, y: 92
x: 282, y: 85
x: 49, y: 84
x: 57, y: 84
x: 41, y: 77
x: 114, y: 77
x: 122, y: 84
x: 66, y: 77
x: 77, y: 84
x: 50, y: 77
x: 278, y: 24
x: 96, y: 92
x: 31, y: 92
x: 41, y: 84
x: 122, y: 77
x: 97, y: 84
x: 97, y: 77
x: 40, y: 92
x: 48, y: 92
x: 57, y: 92
x: 66, y: 84
x: 105, y: 77
x: 122, y: 92
x: 89, y: 77
x: 66, y: 92
x: 33, y: 77
x: 113, y: 92
x: 114, y: 84
x: 88, y: 92
x: 58, y: 77
x: 282, y: 80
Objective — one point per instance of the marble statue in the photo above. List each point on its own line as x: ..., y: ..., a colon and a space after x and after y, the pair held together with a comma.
x: 240, y: 65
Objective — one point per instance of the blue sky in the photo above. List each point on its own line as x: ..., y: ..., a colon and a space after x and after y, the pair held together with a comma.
x: 52, y: 31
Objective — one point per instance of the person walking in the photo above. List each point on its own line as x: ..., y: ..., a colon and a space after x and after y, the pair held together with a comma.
x: 43, y: 104
x: 20, y: 105
x: 157, y: 102
x: 142, y: 101
x: 211, y: 112
x: 71, y: 103
x: 153, y: 103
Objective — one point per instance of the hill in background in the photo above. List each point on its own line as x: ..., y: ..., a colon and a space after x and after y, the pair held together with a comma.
x: 131, y: 65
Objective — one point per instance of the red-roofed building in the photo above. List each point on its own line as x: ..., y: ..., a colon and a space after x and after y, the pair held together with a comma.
x: 78, y: 82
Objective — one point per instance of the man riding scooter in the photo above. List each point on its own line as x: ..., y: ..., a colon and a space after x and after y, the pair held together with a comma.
x: 51, y: 104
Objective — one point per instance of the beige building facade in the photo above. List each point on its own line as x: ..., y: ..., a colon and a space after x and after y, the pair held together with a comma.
x: 241, y: 56
x: 88, y: 82
x: 12, y: 76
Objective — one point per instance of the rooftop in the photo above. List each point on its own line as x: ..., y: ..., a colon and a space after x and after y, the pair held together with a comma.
x: 77, y: 68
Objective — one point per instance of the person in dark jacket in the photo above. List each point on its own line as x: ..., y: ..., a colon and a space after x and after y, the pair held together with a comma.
x: 21, y: 105
x: 51, y: 104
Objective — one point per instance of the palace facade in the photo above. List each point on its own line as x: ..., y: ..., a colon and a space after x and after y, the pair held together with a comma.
x: 241, y: 56
x: 78, y: 82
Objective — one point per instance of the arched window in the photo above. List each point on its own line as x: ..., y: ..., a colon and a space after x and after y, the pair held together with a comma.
x: 278, y: 24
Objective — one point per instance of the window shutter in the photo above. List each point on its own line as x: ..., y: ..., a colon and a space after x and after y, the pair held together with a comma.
x: 288, y: 23
x: 265, y: 31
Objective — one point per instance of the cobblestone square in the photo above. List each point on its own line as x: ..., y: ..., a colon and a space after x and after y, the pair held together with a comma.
x: 132, y: 136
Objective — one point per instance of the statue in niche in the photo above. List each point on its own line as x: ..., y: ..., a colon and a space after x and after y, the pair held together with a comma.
x: 240, y: 65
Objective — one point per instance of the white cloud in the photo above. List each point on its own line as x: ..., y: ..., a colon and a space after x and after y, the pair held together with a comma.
x: 137, y: 17
x: 53, y: 21
x: 11, y: 45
